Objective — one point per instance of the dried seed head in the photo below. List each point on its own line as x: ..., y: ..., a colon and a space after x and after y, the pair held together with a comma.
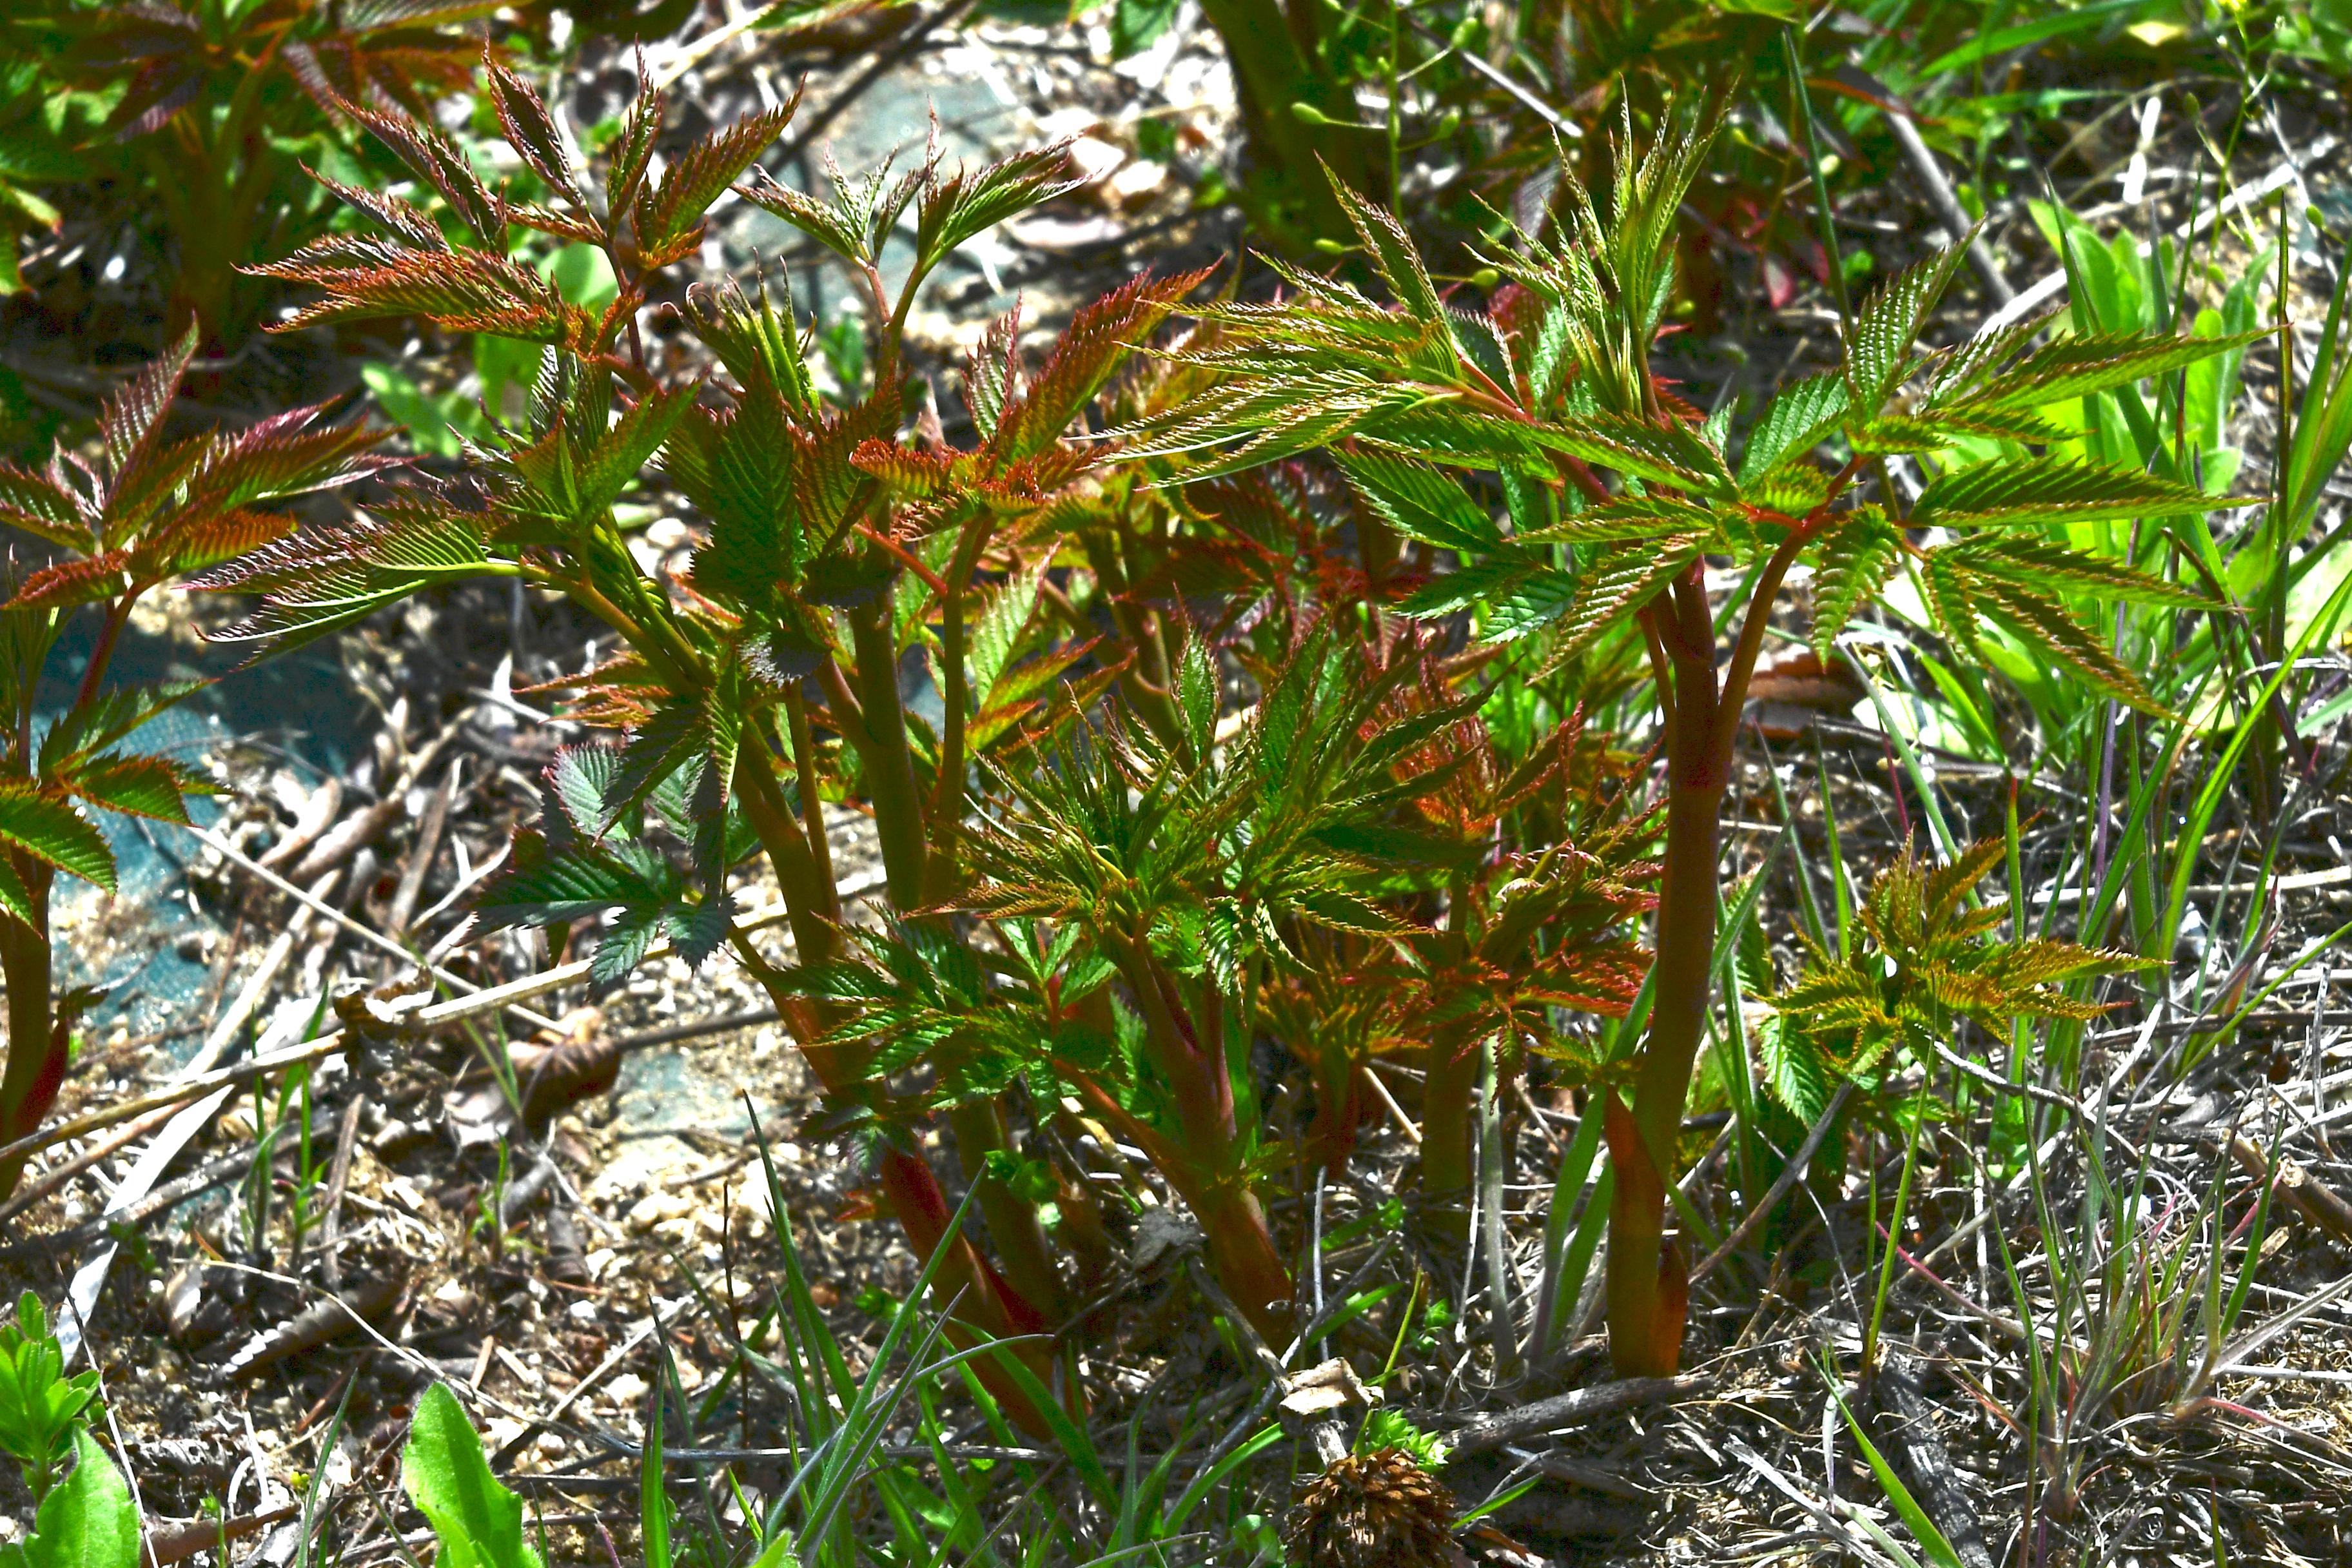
x: 1374, y: 1511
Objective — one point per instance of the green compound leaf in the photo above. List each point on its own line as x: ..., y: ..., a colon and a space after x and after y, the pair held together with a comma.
x: 1855, y: 562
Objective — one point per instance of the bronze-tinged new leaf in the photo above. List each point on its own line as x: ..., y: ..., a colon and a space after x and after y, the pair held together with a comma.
x: 909, y: 472
x: 440, y: 162
x: 465, y: 291
x: 285, y: 455
x: 415, y: 227
x: 43, y: 824
x: 671, y: 212
x: 834, y: 225
x: 43, y: 507
x: 992, y: 372
x: 1098, y: 338
x: 197, y: 542
x: 631, y: 151
x: 530, y: 129
x: 319, y: 581
x: 69, y: 583
x: 131, y: 421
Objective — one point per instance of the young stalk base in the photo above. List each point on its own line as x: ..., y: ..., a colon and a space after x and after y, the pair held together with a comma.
x: 36, y: 1058
x: 1205, y: 1168
x: 1448, y: 1092
x: 983, y: 1298
x: 1647, y: 1287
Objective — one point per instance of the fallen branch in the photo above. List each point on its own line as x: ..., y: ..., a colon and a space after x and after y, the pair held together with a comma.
x: 2309, y: 1198
x: 1577, y: 1407
x: 316, y: 905
x: 320, y: 1323
x: 174, y: 1540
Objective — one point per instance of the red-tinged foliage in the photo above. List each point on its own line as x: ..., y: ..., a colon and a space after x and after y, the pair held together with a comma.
x: 147, y: 509
x: 222, y: 105
x: 1615, y: 493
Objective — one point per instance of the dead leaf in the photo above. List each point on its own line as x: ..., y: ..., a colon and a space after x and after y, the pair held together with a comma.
x: 1325, y: 1387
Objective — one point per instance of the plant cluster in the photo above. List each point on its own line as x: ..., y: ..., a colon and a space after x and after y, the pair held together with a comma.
x: 1100, y: 894
x: 1616, y: 495
x: 1094, y: 894
x: 1257, y: 702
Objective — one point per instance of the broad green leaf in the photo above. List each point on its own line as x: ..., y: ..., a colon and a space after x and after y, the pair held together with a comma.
x: 1798, y: 420
x: 2076, y: 366
x: 1451, y: 591
x: 1619, y: 581
x: 1534, y: 603
x: 140, y: 785
x: 1393, y: 256
x: 1659, y: 452
x: 112, y: 717
x: 996, y: 633
x: 625, y: 449
x: 1880, y: 348
x: 88, y: 1520
x: 1627, y: 517
x: 1958, y: 597
x: 477, y: 1521
x: 2040, y: 563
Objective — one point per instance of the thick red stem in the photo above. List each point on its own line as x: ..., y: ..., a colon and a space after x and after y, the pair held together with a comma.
x: 1639, y: 1344
x: 36, y: 1051
x: 1646, y: 1291
x: 1447, y: 1093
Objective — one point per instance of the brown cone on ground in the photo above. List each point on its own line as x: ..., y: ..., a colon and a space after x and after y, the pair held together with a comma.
x: 1374, y: 1511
